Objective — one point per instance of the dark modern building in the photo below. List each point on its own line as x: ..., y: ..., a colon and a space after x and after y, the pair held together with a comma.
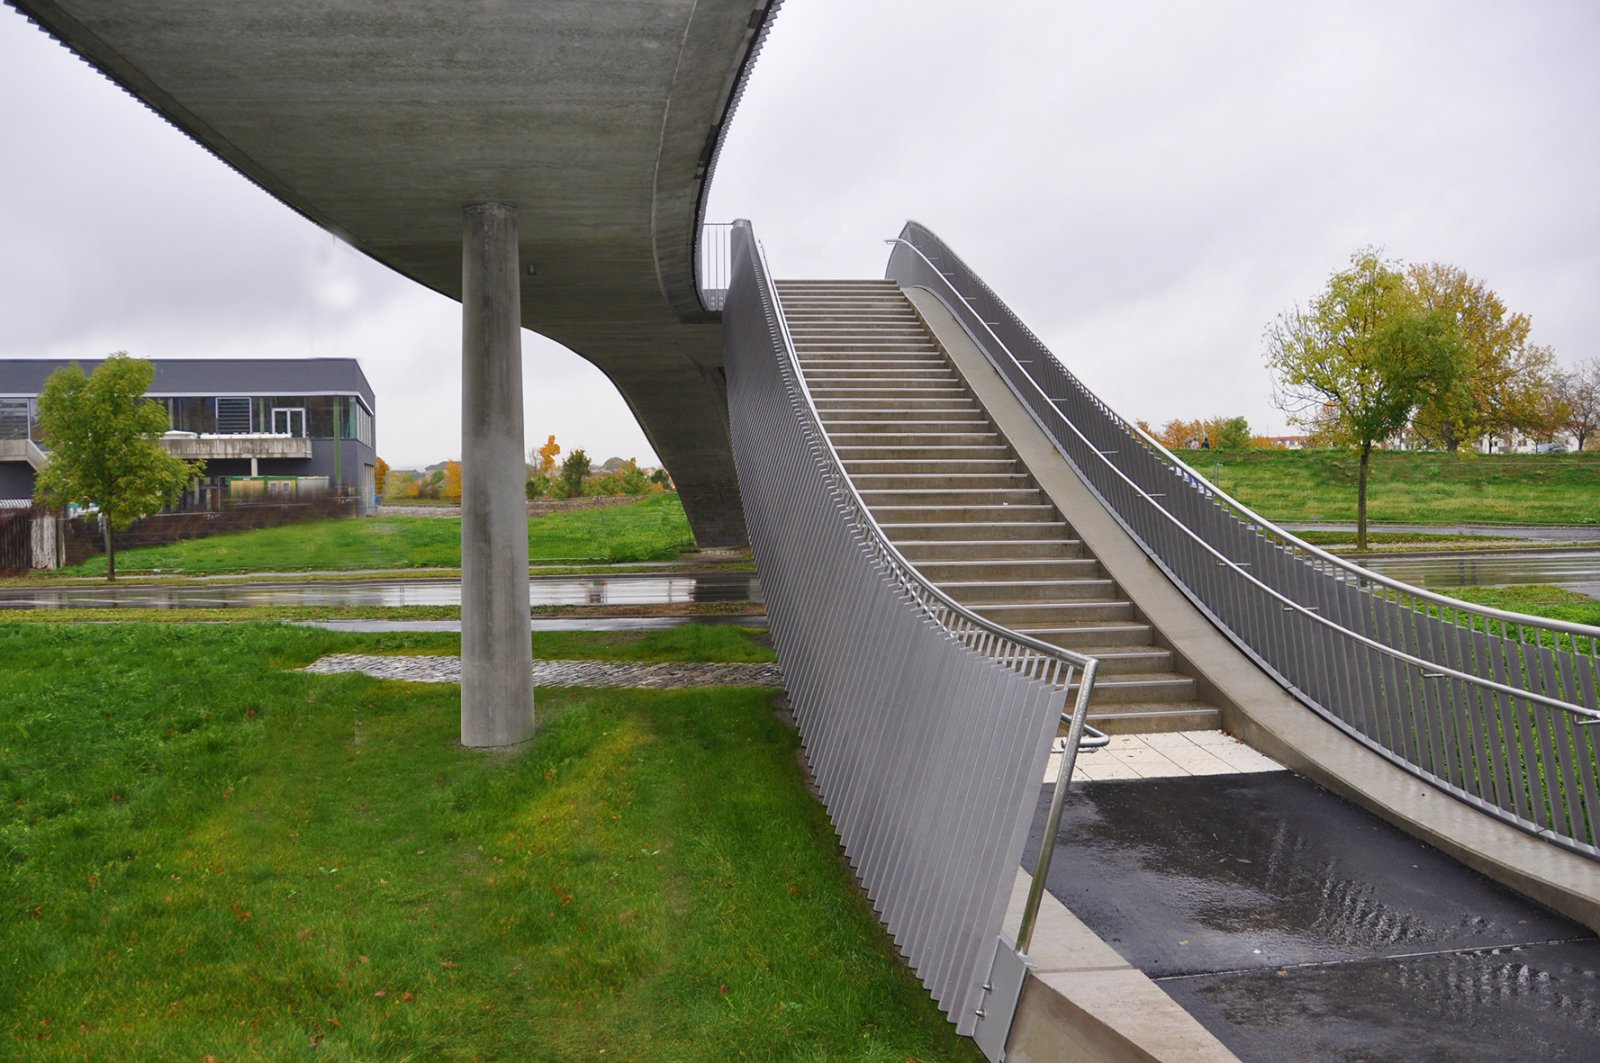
x: 265, y: 428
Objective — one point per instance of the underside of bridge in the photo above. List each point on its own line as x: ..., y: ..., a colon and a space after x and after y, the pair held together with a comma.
x: 380, y: 120
x: 544, y: 162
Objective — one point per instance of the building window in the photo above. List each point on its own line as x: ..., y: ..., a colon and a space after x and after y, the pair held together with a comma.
x: 13, y: 418
x: 288, y: 421
x: 233, y: 416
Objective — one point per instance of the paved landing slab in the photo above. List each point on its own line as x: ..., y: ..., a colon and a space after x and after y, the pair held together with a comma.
x: 1163, y: 756
x: 1301, y: 927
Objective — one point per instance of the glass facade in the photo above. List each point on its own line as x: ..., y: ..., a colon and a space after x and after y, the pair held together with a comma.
x: 15, y: 422
x: 266, y: 413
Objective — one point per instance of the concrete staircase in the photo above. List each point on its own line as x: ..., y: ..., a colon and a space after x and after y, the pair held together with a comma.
x: 952, y: 496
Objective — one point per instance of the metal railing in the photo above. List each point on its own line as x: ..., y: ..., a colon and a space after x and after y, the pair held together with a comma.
x: 713, y: 263
x: 927, y: 728
x: 1495, y: 708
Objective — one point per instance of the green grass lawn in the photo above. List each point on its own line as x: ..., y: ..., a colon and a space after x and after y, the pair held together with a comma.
x: 1402, y: 540
x: 652, y: 529
x: 204, y: 853
x: 1558, y: 603
x: 1288, y: 485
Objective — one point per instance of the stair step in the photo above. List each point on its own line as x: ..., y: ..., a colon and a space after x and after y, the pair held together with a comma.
x: 1158, y: 688
x: 954, y: 495
x: 1031, y: 530
x: 934, y: 551
x: 868, y: 481
x: 932, y: 466
x: 916, y: 439
x: 1126, y: 660
x: 983, y: 569
x: 1085, y: 636
x: 933, y: 513
x: 1018, y: 592
x: 869, y: 453
x: 1153, y: 719
x: 1054, y: 614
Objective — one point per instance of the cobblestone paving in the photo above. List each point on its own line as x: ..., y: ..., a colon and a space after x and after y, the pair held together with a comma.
x: 560, y: 673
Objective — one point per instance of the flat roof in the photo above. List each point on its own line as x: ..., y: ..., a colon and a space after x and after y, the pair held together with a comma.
x: 211, y: 376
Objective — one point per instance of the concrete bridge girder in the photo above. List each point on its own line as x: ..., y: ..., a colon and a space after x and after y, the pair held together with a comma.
x: 380, y: 120
x: 577, y: 136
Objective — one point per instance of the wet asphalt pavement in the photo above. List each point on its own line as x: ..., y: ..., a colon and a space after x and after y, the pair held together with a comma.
x: 1295, y: 926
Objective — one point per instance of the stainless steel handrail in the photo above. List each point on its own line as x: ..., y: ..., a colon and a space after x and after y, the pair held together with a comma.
x: 916, y: 725
x: 1498, y: 757
x: 906, y: 573
x: 1591, y: 716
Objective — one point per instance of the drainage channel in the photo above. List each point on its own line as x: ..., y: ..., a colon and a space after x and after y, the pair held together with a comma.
x: 1294, y: 925
x: 633, y: 589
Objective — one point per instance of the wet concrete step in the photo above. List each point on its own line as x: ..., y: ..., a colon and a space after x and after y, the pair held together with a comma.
x: 1055, y: 614
x: 1161, y: 718
x: 893, y: 399
x: 978, y: 565
x: 859, y: 360
x: 876, y: 452
x: 956, y: 497
x: 954, y: 514
x: 861, y: 422
x: 932, y: 466
x: 933, y: 551
x: 984, y: 531
x: 868, y: 481
x: 1014, y: 592
x: 919, y: 440
x: 1127, y: 660
x: 1162, y: 689
x: 832, y: 374
x: 846, y: 399
x: 1087, y: 637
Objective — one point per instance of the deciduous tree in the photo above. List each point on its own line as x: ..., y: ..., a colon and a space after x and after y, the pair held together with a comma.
x: 451, y: 487
x: 544, y: 458
x: 1507, y: 382
x: 1358, y: 361
x: 1579, y: 389
x: 104, y: 442
x: 574, y: 471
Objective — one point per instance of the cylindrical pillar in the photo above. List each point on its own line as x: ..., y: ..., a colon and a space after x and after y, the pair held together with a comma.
x: 496, y: 656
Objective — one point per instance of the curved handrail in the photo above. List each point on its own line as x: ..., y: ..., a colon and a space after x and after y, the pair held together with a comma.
x: 1027, y: 648
x: 1359, y: 572
x: 1591, y: 716
x: 1382, y: 665
x: 916, y: 722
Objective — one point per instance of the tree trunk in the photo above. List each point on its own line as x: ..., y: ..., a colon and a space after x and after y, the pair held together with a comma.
x: 111, y: 553
x: 1361, y: 497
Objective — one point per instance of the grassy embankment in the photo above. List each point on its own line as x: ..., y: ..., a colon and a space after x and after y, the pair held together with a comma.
x: 1558, y: 603
x: 209, y: 854
x: 1422, y: 488
x: 652, y: 529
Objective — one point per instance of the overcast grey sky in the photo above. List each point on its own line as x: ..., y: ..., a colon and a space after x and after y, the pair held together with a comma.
x: 1147, y: 184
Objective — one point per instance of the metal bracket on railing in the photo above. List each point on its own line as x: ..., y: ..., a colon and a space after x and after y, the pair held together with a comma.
x: 1001, y: 992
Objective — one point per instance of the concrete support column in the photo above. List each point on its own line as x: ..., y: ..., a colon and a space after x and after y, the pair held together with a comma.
x: 496, y: 658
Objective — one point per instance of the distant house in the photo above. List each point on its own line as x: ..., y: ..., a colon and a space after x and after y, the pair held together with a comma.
x: 1288, y: 442
x: 266, y: 428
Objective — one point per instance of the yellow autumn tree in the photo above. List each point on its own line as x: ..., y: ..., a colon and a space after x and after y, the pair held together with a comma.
x: 546, y: 465
x: 452, y: 481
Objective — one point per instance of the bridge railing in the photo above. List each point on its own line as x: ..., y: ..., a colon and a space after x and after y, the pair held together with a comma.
x: 713, y: 262
x: 927, y: 728
x: 1499, y: 709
